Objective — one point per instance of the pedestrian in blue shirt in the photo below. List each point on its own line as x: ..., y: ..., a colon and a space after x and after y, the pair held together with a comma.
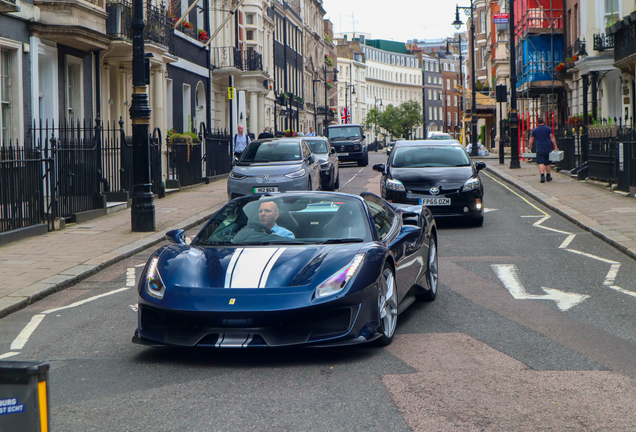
x: 546, y: 142
x: 240, y: 142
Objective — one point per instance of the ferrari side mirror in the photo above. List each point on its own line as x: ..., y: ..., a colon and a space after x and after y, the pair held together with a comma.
x: 176, y: 236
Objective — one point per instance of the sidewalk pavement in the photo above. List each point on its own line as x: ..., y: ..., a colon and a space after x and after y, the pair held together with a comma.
x: 608, y: 215
x: 36, y: 267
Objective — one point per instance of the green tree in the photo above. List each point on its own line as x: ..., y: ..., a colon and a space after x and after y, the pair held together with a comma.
x: 400, y: 121
x: 372, y: 119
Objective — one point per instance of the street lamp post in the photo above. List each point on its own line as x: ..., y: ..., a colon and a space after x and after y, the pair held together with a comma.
x: 335, y: 79
x: 461, y: 64
x: 375, y: 106
x: 315, y: 105
x: 473, y: 110
x: 143, y: 207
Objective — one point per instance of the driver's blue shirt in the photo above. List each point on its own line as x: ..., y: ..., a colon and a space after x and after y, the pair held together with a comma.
x: 282, y: 232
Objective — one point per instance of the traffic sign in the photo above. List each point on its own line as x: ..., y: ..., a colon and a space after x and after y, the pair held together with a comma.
x: 230, y: 93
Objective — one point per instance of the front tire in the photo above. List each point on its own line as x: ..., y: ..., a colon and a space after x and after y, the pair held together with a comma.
x: 387, y: 307
x: 432, y: 272
x: 365, y: 160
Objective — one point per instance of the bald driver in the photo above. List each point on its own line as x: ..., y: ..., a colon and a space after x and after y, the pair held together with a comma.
x: 268, y: 214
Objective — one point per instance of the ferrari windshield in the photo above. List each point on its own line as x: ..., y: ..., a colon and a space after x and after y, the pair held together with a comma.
x: 429, y: 156
x: 353, y: 132
x: 272, y: 151
x: 318, y: 146
x: 311, y: 218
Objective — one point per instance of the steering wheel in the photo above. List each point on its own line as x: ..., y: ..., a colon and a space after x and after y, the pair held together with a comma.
x: 258, y: 227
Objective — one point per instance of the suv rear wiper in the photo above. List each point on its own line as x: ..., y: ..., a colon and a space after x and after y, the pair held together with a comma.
x: 345, y: 240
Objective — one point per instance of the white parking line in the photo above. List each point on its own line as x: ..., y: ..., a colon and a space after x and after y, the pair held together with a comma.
x: 27, y: 331
x: 7, y: 355
x: 130, y: 277
x: 81, y: 302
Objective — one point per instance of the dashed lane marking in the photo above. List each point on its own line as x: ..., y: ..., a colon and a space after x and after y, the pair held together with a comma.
x: 7, y: 355
x: 354, y: 176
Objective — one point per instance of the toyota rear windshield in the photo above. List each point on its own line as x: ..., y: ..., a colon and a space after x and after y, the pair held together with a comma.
x: 352, y: 132
x: 271, y: 151
x: 429, y: 156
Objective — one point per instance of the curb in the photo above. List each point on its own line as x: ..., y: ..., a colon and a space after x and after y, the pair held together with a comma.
x: 39, y: 290
x: 560, y: 212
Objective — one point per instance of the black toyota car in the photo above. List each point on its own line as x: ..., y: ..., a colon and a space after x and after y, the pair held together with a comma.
x: 438, y: 175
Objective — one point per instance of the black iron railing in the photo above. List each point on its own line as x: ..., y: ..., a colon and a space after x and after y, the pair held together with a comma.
x: 230, y: 57
x: 603, y: 42
x: 578, y: 48
x: 22, y: 187
x: 217, y: 158
x: 76, y: 172
x: 184, y: 163
x: 158, y: 27
x: 625, y: 42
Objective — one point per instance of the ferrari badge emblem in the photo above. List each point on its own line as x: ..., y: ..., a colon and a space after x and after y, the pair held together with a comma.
x: 232, y: 301
x: 434, y: 191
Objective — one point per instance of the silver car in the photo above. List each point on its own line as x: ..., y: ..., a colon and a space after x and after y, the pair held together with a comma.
x: 280, y: 165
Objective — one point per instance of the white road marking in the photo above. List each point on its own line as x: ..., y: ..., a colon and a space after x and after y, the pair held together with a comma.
x: 488, y: 210
x: 592, y: 256
x: 134, y: 307
x: 567, y: 241
x: 130, y: 277
x: 507, y: 273
x: 140, y: 265
x: 624, y: 291
x: 611, y: 275
x: 7, y: 355
x: 354, y: 176
x: 81, y: 302
x: 19, y: 342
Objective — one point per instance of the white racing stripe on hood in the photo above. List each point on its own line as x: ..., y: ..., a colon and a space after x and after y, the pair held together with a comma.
x: 230, y: 267
x: 250, y: 266
x: 268, y: 269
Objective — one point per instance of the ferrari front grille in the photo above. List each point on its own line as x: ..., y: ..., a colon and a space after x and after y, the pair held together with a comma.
x: 330, y: 324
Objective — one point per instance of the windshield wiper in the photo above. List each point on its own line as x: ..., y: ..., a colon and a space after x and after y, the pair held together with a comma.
x: 345, y: 240
x: 355, y: 136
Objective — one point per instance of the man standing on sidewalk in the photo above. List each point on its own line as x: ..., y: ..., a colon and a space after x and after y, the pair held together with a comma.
x: 546, y: 142
x: 311, y: 132
x: 240, y: 142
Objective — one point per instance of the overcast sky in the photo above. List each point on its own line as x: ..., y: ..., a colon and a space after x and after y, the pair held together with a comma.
x: 397, y: 20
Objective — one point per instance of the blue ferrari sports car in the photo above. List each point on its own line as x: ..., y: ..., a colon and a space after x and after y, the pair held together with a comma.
x: 295, y: 268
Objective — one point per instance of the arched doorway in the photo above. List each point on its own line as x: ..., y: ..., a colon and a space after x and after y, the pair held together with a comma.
x: 200, y: 105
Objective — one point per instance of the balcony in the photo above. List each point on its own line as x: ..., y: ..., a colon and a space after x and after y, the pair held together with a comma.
x: 577, y: 49
x: 603, y: 43
x: 157, y: 28
x: 8, y: 6
x: 230, y: 57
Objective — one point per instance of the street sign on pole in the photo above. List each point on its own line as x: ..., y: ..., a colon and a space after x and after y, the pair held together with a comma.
x: 230, y: 93
x: 500, y: 18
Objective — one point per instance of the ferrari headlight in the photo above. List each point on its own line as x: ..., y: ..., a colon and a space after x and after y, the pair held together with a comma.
x: 471, y: 183
x: 236, y: 176
x: 395, y: 185
x: 339, y: 281
x: 296, y: 174
x: 154, y: 283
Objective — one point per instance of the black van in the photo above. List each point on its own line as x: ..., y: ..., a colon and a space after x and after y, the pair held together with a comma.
x: 349, y: 142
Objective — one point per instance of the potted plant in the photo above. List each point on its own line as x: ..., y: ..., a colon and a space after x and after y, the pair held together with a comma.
x: 203, y: 35
x: 328, y: 61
